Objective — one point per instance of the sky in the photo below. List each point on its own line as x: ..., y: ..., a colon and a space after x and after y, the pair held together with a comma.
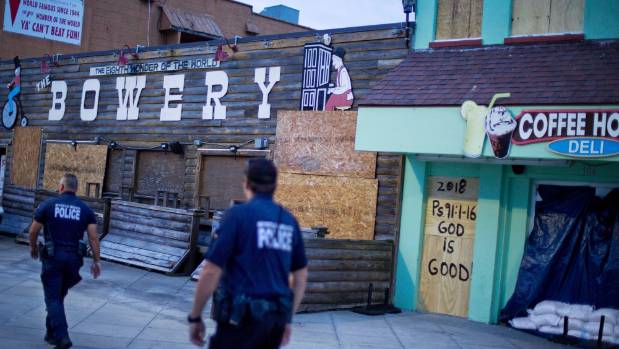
x: 330, y: 14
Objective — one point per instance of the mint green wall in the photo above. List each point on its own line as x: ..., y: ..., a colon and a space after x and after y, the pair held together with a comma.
x: 417, y: 129
x: 411, y: 242
x: 425, y: 23
x: 501, y: 227
x: 601, y: 19
x: 496, y: 21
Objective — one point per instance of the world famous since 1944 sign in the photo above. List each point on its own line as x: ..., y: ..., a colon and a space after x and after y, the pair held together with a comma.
x: 58, y: 20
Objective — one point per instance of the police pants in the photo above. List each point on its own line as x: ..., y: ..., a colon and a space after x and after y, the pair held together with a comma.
x: 265, y: 334
x: 58, y: 275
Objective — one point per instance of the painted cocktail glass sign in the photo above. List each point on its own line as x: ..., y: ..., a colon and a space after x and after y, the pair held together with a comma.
x: 575, y: 133
x: 58, y: 20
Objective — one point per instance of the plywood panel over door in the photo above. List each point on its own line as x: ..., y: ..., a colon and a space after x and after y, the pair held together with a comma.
x: 321, y: 143
x: 221, y: 179
x: 449, y: 233
x: 346, y: 205
x: 26, y: 151
x: 86, y: 161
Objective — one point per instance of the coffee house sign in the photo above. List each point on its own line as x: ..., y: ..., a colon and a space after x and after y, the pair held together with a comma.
x: 576, y: 133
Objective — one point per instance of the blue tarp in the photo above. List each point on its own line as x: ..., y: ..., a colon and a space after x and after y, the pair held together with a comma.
x: 572, y: 253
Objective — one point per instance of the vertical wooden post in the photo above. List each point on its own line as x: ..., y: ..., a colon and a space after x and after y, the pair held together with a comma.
x: 107, y: 208
x: 193, y: 241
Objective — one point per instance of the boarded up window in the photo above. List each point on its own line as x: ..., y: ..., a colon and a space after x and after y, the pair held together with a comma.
x: 113, y: 172
x: 159, y: 171
x: 86, y: 161
x: 459, y: 19
x: 221, y: 180
x: 26, y: 150
x: 530, y: 17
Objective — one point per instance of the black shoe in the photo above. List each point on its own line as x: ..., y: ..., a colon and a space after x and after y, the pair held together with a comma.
x: 49, y: 339
x: 64, y: 343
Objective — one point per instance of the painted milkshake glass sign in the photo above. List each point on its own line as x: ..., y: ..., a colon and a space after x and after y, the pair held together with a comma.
x: 58, y: 20
x: 574, y: 133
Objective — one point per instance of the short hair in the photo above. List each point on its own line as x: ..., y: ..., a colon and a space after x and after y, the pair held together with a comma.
x: 261, y: 175
x: 69, y: 180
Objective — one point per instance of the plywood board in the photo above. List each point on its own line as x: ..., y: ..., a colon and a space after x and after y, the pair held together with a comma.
x: 449, y: 234
x: 475, y: 19
x: 321, y: 143
x: 444, y: 19
x: 347, y: 206
x: 158, y: 170
x: 530, y: 17
x: 86, y: 161
x: 221, y: 179
x: 566, y: 16
x: 25, y: 161
x: 114, y: 171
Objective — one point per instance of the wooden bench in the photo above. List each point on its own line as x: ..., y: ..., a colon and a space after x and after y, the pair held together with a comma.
x: 152, y: 237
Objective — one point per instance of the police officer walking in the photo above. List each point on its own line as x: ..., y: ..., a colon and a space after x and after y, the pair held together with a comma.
x: 258, y: 247
x: 64, y: 219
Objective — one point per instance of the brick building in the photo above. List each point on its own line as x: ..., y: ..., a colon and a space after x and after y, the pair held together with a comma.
x: 110, y: 24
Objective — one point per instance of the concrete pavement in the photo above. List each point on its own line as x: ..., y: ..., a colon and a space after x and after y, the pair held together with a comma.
x: 133, y: 308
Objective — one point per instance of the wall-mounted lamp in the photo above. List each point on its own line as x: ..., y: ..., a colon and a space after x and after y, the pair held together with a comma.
x: 198, y: 142
x: 408, y: 7
x: 113, y: 145
x: 74, y: 144
x: 233, y: 149
x: 164, y: 146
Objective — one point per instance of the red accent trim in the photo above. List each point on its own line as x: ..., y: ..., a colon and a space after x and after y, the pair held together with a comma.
x: 547, y: 111
x: 455, y: 43
x: 516, y: 40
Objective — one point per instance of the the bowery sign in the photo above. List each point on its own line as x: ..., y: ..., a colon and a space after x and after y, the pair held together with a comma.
x: 130, y: 88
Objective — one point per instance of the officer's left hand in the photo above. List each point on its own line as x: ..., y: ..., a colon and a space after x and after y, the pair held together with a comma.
x: 286, y: 336
x: 34, y: 253
x: 197, y: 331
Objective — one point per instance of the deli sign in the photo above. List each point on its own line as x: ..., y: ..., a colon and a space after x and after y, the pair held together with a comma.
x: 576, y: 133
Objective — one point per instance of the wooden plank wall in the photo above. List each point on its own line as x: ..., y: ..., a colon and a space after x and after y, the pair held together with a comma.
x: 370, y: 54
x: 340, y: 272
x: 157, y: 238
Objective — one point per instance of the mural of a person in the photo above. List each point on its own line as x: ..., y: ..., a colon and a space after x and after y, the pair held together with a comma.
x: 11, y: 108
x: 341, y: 96
x: 15, y: 84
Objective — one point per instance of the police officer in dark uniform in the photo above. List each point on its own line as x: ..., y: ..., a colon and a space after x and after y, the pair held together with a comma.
x: 64, y: 219
x: 259, y: 246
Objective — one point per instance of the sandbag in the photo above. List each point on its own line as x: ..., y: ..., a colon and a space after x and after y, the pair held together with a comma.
x: 576, y: 311
x: 551, y: 329
x: 576, y: 324
x: 545, y: 320
x: 522, y: 323
x: 611, y: 316
x: 548, y: 307
x: 579, y: 334
x: 594, y: 328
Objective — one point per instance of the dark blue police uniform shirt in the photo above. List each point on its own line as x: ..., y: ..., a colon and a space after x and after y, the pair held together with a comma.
x: 65, y: 218
x: 259, y: 244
